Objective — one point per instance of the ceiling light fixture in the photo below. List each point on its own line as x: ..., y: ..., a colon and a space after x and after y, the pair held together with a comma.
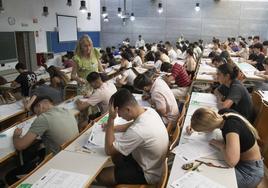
x: 89, y: 15
x: 160, y: 8
x: 69, y: 3
x: 104, y: 12
x: 1, y: 7
x: 197, y: 7
x: 83, y: 7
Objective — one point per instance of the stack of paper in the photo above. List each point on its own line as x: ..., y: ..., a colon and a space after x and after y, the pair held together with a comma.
x: 195, y: 180
x: 61, y: 179
x: 193, y: 150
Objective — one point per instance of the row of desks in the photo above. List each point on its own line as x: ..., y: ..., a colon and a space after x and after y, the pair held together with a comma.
x: 75, y: 158
x: 7, y: 149
x: 224, y: 177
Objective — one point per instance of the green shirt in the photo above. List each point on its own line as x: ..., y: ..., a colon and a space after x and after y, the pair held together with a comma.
x: 55, y: 127
x: 87, y: 65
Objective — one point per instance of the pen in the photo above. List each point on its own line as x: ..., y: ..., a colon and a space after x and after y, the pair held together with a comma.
x: 185, y: 158
x: 196, y: 167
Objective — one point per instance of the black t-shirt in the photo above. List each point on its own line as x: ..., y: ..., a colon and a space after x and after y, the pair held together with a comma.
x: 234, y: 124
x: 242, y: 102
x: 26, y: 80
x: 252, y: 56
x: 259, y: 59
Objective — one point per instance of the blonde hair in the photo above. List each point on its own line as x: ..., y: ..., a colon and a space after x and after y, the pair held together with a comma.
x: 204, y: 119
x: 78, y: 49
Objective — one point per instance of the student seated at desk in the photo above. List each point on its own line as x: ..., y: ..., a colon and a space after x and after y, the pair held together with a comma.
x: 67, y: 62
x: 139, y: 154
x: 26, y: 79
x: 137, y: 62
x: 264, y: 74
x: 102, y: 92
x: 179, y: 76
x: 239, y: 147
x: 58, y: 79
x: 190, y: 63
x: 53, y: 124
x: 125, y: 61
x: 257, y: 61
x: 41, y: 89
x: 161, y: 97
x: 231, y: 93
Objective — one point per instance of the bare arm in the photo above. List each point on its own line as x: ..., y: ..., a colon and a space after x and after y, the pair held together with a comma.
x: 22, y: 143
x: 231, y: 149
x: 122, y: 128
x: 28, y: 104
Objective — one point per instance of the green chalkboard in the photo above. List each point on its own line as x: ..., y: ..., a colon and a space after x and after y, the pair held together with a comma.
x: 8, y: 50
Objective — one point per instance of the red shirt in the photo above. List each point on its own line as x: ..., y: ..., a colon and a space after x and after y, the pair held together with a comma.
x: 181, y: 77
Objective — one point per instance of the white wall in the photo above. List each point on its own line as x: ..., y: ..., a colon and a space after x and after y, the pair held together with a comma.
x: 24, y: 11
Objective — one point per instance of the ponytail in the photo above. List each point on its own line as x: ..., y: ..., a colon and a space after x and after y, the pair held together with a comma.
x: 247, y: 123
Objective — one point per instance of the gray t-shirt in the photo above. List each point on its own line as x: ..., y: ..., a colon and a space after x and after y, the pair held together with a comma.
x: 45, y: 90
x: 242, y: 102
x: 55, y: 127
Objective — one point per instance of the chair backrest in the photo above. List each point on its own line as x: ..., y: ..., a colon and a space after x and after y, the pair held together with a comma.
x: 257, y: 100
x: 261, y: 123
x: 164, y: 178
x: 175, y: 137
x: 47, y: 158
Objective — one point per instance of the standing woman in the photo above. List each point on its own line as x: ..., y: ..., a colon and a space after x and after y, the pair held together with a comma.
x: 87, y: 60
x: 239, y: 147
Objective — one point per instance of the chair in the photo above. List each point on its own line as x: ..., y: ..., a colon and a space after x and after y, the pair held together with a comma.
x: 262, y: 128
x: 47, y: 158
x: 162, y: 183
x: 257, y: 100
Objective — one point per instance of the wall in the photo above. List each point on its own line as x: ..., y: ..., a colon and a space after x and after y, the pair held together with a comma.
x: 222, y: 19
x: 25, y: 10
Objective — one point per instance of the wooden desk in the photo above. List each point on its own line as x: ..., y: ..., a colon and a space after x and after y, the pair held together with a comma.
x: 205, y: 72
x: 224, y: 177
x: 88, y: 165
x: 7, y: 151
x: 247, y: 69
x: 74, y: 158
x: 11, y: 113
x: 264, y: 95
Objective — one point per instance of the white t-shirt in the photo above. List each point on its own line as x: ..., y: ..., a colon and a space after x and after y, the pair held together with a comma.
x: 102, y: 95
x: 130, y: 76
x: 165, y: 58
x: 158, y: 64
x: 172, y: 55
x: 163, y: 98
x: 140, y: 43
x: 137, y: 61
x: 147, y: 140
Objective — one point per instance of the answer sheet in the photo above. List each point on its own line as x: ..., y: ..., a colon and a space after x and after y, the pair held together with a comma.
x: 61, y: 179
x: 195, y: 180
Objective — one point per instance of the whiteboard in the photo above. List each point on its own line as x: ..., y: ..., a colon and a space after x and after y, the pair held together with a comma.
x: 67, y: 28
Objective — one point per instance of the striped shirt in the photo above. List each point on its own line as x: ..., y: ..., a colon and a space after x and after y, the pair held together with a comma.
x: 181, y: 77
